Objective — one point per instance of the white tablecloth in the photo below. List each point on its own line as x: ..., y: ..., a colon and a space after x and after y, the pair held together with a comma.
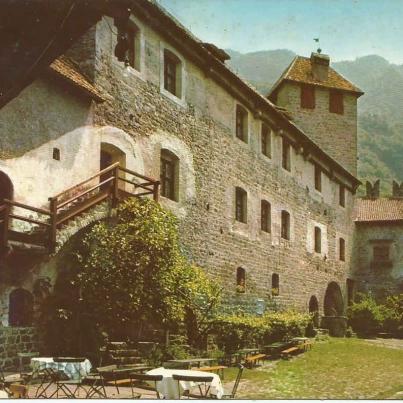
x: 168, y: 387
x: 74, y: 370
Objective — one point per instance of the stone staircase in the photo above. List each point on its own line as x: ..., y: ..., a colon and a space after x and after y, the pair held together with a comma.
x: 121, y: 353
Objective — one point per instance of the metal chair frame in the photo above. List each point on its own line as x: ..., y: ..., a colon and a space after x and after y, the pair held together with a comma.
x: 200, y: 380
x: 135, y: 376
x: 236, y: 384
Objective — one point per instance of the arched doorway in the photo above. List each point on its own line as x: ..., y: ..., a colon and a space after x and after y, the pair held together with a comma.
x: 333, y: 304
x: 20, y: 308
x: 111, y: 154
x: 6, y: 187
x: 314, y: 309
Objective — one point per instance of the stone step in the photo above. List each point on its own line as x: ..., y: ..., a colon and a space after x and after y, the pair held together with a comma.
x: 125, y: 353
x: 117, y: 345
x: 125, y: 360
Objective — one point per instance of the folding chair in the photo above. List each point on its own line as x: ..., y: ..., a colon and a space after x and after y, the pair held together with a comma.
x: 63, y: 384
x: 140, y: 379
x: 47, y: 377
x: 235, y: 387
x: 203, y: 383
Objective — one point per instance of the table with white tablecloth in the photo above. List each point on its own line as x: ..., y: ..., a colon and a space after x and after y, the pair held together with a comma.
x: 74, y: 370
x: 168, y: 387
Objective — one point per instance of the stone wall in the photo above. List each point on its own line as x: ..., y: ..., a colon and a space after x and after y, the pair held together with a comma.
x: 15, y: 340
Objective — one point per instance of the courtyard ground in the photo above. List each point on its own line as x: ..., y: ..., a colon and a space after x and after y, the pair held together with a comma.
x: 334, y: 369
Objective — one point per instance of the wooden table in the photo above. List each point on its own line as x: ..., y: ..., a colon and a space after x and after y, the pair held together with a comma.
x: 190, y: 361
x: 275, y: 348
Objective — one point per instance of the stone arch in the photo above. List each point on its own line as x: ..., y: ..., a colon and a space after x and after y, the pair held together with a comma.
x: 20, y: 308
x: 6, y: 187
x: 333, y: 302
x: 314, y: 309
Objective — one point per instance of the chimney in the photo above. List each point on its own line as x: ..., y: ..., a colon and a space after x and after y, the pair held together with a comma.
x: 397, y: 190
x: 320, y: 66
x: 372, y: 189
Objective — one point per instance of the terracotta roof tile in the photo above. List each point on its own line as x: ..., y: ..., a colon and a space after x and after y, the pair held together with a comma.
x: 300, y: 71
x: 382, y: 209
x: 68, y: 71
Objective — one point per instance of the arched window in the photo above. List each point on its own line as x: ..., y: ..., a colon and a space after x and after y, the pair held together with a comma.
x: 318, y: 240
x: 275, y: 284
x: 169, y: 175
x: 20, y: 308
x: 172, y: 73
x: 342, y: 249
x: 241, y: 129
x: 285, y: 224
x: 265, y: 216
x: 133, y: 43
x: 241, y: 205
x: 240, y: 279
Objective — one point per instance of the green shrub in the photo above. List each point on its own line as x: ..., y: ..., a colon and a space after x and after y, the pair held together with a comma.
x: 239, y: 331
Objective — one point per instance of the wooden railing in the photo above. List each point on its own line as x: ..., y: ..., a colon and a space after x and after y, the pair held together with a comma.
x: 108, y: 183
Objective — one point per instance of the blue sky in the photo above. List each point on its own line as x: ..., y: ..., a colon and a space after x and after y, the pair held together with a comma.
x: 347, y: 28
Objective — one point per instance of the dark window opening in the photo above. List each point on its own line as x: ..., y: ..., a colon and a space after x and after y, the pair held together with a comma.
x: 133, y: 52
x: 336, y: 104
x: 241, y: 123
x: 381, y: 253
x: 240, y: 279
x: 56, y: 154
x: 342, y: 249
x: 265, y: 216
x: 318, y: 240
x: 285, y: 225
x: 318, y: 178
x: 169, y: 175
x: 266, y: 141
x: 275, y: 284
x: 342, y: 195
x: 286, y: 155
x: 240, y: 205
x: 308, y: 97
x: 171, y: 73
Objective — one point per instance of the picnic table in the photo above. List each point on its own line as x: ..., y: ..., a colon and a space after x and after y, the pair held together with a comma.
x: 275, y: 348
x: 190, y: 361
x: 168, y: 387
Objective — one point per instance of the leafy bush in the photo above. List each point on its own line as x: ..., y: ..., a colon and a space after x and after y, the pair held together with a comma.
x: 236, y: 331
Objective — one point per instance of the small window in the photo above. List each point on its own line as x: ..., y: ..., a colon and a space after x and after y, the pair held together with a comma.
x: 318, y: 178
x: 169, y: 175
x: 308, y: 97
x: 381, y: 253
x: 285, y: 225
x: 286, y: 155
x: 240, y: 279
x: 265, y: 216
x: 56, y: 154
x: 336, y: 104
x: 172, y: 73
x: 342, y: 195
x: 241, y: 205
x: 275, y: 284
x: 342, y: 249
x: 266, y: 141
x: 318, y: 240
x: 133, y: 43
x: 241, y: 123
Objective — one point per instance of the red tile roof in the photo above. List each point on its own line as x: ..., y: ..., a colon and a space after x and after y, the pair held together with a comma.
x: 300, y: 70
x: 382, y: 209
x: 68, y: 71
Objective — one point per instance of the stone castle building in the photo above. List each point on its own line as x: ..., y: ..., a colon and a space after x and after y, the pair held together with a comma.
x: 264, y: 188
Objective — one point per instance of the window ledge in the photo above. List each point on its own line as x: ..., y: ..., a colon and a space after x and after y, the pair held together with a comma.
x: 174, y: 98
x: 381, y: 264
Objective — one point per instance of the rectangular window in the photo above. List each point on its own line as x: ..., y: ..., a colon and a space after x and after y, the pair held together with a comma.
x: 265, y: 216
x: 381, y: 253
x: 241, y: 123
x: 307, y: 96
x: 318, y: 240
x: 170, y: 66
x: 266, y: 141
x: 167, y: 178
x: 285, y: 225
x: 342, y: 195
x: 131, y: 43
x: 286, y: 155
x: 240, y: 205
x: 318, y: 178
x: 336, y: 104
x: 342, y: 249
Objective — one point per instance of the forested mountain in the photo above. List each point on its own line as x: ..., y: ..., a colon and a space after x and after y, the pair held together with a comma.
x: 380, y: 126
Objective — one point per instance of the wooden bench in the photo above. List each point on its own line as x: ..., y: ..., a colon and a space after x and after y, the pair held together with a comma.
x: 217, y: 368
x: 290, y: 351
x: 254, y: 359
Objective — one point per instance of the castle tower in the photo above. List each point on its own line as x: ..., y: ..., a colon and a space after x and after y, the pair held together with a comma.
x: 323, y: 104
